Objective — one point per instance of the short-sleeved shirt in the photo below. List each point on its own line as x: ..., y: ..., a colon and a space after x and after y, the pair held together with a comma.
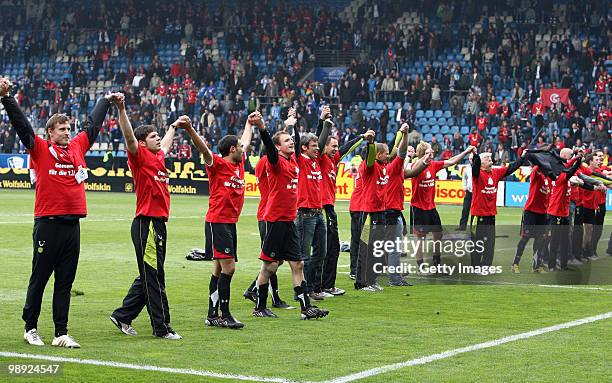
x: 329, y: 168
x: 484, y: 192
x: 375, y: 180
x: 150, y: 182
x: 424, y: 186
x: 539, y: 191
x: 309, y: 185
x: 226, y: 186
x: 283, y: 189
x: 394, y: 195
x: 54, y: 168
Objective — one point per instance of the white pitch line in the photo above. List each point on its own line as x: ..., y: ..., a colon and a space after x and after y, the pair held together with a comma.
x: 463, y: 350
x: 144, y: 367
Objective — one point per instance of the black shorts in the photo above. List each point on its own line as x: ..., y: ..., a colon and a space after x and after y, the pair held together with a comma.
x: 589, y: 216
x: 281, y: 242
x: 533, y: 224
x: 221, y: 240
x: 425, y: 221
x: 600, y: 215
x: 262, y: 231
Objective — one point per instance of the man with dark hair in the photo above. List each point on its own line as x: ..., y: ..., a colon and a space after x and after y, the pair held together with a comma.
x: 226, y: 179
x: 146, y: 154
x: 59, y: 169
x: 332, y: 155
x: 310, y: 223
x: 534, y: 221
x: 282, y: 241
x: 250, y: 293
x: 485, y: 180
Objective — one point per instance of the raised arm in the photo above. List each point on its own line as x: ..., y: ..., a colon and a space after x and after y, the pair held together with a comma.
x: 350, y: 146
x: 325, y: 114
x: 18, y: 119
x: 247, y: 134
x: 456, y: 159
x: 327, y: 124
x: 198, y: 141
x: 94, y: 121
x: 418, y: 166
x: 371, y: 157
x: 166, y: 142
x: 403, y: 143
x: 476, y: 166
x: 124, y: 123
x: 515, y: 165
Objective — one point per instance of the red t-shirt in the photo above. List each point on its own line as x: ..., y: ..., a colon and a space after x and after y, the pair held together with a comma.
x: 589, y: 197
x: 226, y: 186
x: 309, y: 186
x: 539, y: 190
x: 329, y: 167
x: 151, y: 183
x: 559, y: 201
x: 394, y: 195
x: 54, y: 168
x: 576, y: 192
x: 262, y: 183
x: 375, y: 179
x: 356, y: 202
x: 481, y: 123
x: 424, y: 187
x: 484, y: 192
x: 283, y: 190
x: 492, y: 107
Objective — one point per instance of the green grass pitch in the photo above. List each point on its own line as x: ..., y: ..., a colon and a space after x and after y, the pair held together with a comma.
x: 363, y: 331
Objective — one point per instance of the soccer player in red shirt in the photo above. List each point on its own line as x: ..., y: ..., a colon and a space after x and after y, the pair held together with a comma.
x: 58, y: 165
x: 357, y: 219
x: 592, y: 205
x: 394, y: 198
x: 282, y: 241
x: 310, y: 222
x: 374, y: 178
x: 332, y: 155
x: 534, y: 221
x: 559, y: 210
x: 146, y: 153
x: 424, y: 217
x: 262, y: 183
x: 485, y: 179
x: 226, y: 180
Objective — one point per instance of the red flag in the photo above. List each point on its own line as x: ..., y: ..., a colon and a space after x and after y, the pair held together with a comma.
x: 550, y: 96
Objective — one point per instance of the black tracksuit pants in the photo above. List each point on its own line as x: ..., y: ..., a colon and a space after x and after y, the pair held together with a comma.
x: 330, y: 263
x: 357, y: 219
x: 56, y: 243
x: 483, y: 229
x: 149, y: 288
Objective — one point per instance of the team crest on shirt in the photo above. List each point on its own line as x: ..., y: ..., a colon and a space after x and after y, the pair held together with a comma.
x: 490, y: 181
x: 384, y: 170
x: 237, y: 172
x: 314, y: 165
x: 428, y: 174
x: 297, y: 170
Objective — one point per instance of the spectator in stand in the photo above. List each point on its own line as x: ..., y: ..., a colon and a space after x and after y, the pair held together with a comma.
x: 474, y: 138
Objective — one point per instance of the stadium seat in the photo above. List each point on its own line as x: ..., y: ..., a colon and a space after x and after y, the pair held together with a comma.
x: 465, y: 130
x: 435, y: 129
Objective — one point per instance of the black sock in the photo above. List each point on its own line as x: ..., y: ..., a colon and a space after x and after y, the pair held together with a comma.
x: 302, y: 297
x: 224, y: 294
x: 262, y: 296
x: 436, y: 260
x: 252, y: 286
x: 274, y: 289
x: 213, y: 297
x: 520, y: 248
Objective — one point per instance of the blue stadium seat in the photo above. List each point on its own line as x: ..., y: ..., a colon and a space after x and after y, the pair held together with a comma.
x: 370, y: 105
x: 422, y: 121
x: 435, y: 129
x: 438, y: 114
x: 493, y: 131
x: 440, y: 138
x: 425, y: 129
x: 445, y: 130
x: 465, y: 130
x: 454, y: 129
x: 380, y: 105
x: 429, y: 113
x: 390, y: 136
x: 427, y: 137
x: 447, y: 114
x: 432, y: 121
x: 419, y: 113
x: 441, y: 121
